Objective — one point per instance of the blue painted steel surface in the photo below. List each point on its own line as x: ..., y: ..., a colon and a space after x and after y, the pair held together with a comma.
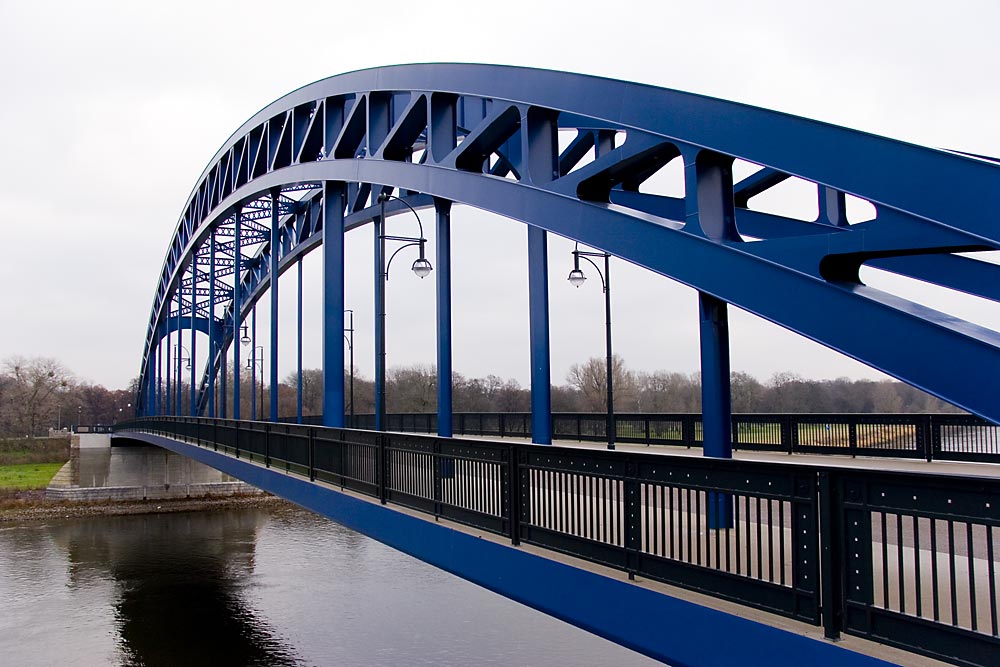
x: 667, y: 628
x: 444, y: 380
x: 716, y: 402
x: 212, y: 339
x: 275, y: 241
x: 236, y: 312
x: 379, y: 238
x: 538, y: 322
x: 368, y: 127
x: 298, y: 347
x: 333, y: 305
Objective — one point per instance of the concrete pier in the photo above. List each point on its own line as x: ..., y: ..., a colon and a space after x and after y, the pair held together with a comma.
x: 96, y: 473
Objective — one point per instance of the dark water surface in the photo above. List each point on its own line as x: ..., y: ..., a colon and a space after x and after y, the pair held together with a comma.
x: 277, y: 586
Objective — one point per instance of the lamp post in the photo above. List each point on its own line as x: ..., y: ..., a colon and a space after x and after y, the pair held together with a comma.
x: 349, y: 337
x: 421, y: 266
x: 577, y: 278
x: 253, y: 363
x: 181, y: 360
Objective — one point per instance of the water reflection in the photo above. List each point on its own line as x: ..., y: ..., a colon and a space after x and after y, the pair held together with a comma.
x: 256, y: 587
x: 179, y: 583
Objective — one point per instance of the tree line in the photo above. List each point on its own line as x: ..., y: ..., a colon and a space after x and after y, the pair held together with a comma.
x: 39, y: 393
x: 414, y: 389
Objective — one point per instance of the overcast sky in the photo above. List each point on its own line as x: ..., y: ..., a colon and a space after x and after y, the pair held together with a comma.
x: 110, y: 110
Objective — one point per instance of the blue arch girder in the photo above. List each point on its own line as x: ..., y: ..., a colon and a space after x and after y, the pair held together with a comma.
x: 487, y: 136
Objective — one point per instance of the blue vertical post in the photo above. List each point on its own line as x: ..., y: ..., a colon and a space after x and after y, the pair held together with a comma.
x: 212, y: 340
x: 275, y: 245
x: 153, y: 406
x: 378, y: 224
x: 538, y: 312
x: 192, y: 407
x: 442, y: 209
x: 223, y: 373
x: 333, y: 304
x: 237, y: 307
x: 179, y: 384
x: 298, y: 359
x: 169, y: 370
x: 253, y: 365
x: 716, y: 404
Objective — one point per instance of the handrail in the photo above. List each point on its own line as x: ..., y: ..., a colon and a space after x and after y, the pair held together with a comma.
x: 945, y: 437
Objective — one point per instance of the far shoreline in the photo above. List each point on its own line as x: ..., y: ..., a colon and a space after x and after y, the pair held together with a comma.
x: 29, y: 506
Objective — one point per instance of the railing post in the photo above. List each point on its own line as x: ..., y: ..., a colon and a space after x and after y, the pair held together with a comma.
x: 215, y: 434
x: 381, y: 465
x: 311, y: 434
x: 437, y: 470
x: 648, y: 438
x: 267, y: 445
x: 831, y: 538
x: 502, y: 425
x: 929, y: 432
x: 632, y: 519
x: 512, y: 491
x: 687, y: 430
x: 789, y: 433
x: 852, y: 437
x: 236, y: 437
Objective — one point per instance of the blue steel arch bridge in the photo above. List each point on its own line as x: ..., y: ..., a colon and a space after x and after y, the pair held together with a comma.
x: 362, y: 147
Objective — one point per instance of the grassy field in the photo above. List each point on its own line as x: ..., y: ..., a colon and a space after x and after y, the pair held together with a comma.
x: 35, y: 450
x: 26, y: 476
x: 30, y: 463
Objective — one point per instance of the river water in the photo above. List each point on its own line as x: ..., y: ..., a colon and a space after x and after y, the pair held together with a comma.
x: 273, y: 586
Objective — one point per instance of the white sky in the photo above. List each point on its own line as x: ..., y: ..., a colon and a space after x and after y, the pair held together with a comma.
x: 110, y: 110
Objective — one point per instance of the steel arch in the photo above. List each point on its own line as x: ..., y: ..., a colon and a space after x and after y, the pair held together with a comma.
x: 486, y: 136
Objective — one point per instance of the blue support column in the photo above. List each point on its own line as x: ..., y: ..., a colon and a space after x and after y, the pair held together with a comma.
x: 192, y: 405
x: 167, y: 389
x: 153, y: 406
x: 275, y: 246
x: 444, y: 388
x: 212, y: 340
x: 333, y: 304
x: 253, y: 365
x: 237, y: 307
x: 538, y: 311
x: 178, y: 382
x: 223, y: 375
x: 716, y: 405
x: 377, y: 225
x: 298, y: 359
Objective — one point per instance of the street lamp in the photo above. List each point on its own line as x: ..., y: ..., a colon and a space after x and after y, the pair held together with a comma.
x: 576, y: 278
x: 252, y: 363
x: 178, y: 349
x: 350, y: 346
x: 245, y: 338
x: 421, y: 267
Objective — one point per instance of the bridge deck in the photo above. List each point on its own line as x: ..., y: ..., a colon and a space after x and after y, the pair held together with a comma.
x: 754, y: 531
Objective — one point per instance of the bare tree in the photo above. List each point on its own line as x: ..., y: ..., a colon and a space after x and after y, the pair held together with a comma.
x: 590, y: 378
x: 31, y: 394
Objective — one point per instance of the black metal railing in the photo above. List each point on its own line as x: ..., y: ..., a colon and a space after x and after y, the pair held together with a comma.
x: 949, y: 437
x: 905, y: 559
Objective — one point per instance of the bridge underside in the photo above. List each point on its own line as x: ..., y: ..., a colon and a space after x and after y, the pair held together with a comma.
x: 668, y: 628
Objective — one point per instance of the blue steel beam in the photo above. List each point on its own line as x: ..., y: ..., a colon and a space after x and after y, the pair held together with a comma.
x: 275, y: 240
x: 442, y: 209
x: 927, y: 202
x: 333, y: 304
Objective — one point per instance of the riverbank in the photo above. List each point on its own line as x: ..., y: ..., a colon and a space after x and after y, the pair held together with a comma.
x: 32, y: 506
